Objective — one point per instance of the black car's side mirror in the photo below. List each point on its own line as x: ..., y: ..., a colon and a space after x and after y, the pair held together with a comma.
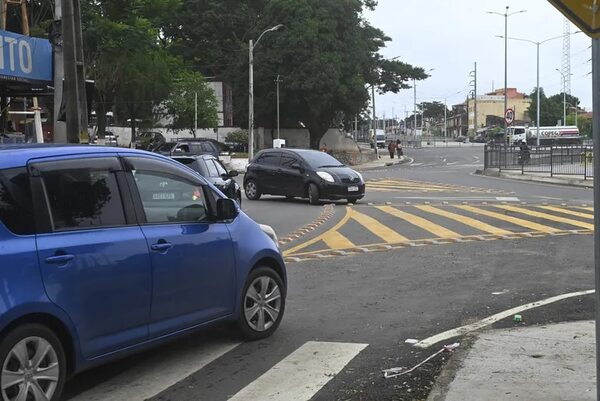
x: 298, y: 167
x: 233, y: 173
x: 226, y: 209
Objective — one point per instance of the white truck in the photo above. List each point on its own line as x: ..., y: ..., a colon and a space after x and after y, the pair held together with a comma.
x: 378, y: 139
x: 558, y: 135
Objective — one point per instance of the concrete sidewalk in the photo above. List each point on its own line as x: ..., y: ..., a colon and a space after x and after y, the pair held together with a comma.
x: 542, y: 178
x: 544, y: 363
x: 383, y: 161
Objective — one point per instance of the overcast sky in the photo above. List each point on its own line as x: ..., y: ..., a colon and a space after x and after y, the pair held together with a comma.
x: 449, y: 36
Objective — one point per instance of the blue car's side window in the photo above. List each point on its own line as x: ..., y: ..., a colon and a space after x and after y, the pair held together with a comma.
x: 167, y: 198
x: 16, y: 205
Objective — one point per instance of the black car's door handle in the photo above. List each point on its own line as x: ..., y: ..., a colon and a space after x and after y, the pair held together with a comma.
x: 59, y: 259
x: 161, y: 246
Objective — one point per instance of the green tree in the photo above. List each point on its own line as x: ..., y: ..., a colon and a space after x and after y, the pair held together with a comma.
x: 327, y: 55
x: 180, y: 104
x: 551, y: 108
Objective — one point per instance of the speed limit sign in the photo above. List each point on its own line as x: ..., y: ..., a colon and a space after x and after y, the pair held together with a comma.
x: 509, y: 116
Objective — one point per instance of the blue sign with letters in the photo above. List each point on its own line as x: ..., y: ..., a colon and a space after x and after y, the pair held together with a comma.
x: 24, y: 58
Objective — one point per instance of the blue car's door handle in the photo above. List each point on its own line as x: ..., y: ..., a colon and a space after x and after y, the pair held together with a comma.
x: 59, y: 259
x: 161, y: 246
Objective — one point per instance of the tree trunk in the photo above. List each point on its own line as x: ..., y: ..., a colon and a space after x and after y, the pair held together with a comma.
x: 316, y: 132
x: 100, y: 121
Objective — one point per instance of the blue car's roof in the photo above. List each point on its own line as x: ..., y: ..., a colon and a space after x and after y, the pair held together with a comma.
x: 18, y: 155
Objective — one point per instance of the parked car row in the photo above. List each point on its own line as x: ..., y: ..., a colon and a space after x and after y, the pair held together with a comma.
x: 105, y: 253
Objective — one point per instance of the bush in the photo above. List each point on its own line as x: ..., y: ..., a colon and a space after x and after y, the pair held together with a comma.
x: 239, y: 136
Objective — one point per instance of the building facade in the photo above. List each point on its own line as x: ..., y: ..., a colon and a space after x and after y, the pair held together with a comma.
x: 492, y: 104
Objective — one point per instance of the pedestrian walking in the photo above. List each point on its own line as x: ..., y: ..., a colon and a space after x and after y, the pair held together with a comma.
x: 399, y: 148
x: 392, y: 149
x: 324, y: 148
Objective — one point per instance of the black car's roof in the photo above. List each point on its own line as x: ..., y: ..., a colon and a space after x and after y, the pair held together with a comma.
x: 204, y: 156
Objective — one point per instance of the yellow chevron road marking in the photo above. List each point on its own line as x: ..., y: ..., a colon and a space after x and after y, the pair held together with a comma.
x: 552, y: 217
x: 568, y: 211
x: 380, y: 230
x: 420, y: 222
x: 513, y: 220
x: 308, y: 243
x: 476, y: 224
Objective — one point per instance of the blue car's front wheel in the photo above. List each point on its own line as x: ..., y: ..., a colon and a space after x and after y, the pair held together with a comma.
x: 263, y: 304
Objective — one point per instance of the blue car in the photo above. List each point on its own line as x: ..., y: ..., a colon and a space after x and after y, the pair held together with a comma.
x: 107, y: 251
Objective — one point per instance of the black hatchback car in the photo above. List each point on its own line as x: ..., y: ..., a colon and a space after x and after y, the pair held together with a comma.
x: 188, y: 147
x: 213, y: 170
x: 302, y: 173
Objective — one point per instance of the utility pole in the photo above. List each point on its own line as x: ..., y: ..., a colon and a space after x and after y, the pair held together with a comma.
x: 278, y: 81
x: 60, y: 128
x: 445, y: 118
x: 415, y: 105
x: 596, y: 136
x: 475, y: 100
x: 74, y: 73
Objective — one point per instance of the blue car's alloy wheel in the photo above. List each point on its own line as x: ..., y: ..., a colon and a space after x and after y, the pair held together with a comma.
x: 263, y: 304
x: 33, y: 365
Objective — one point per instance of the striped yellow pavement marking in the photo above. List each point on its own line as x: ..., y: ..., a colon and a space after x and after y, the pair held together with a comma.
x: 308, y: 243
x: 420, y: 222
x: 546, y: 216
x: 568, y: 211
x: 513, y: 220
x: 476, y: 224
x: 416, y: 186
x: 589, y: 209
x: 380, y: 230
x: 335, y: 240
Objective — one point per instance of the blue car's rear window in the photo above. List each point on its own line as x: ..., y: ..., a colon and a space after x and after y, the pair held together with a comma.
x: 16, y: 204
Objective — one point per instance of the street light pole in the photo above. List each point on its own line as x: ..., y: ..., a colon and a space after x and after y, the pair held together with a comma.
x: 251, y: 46
x: 278, y: 80
x: 506, y: 15
x: 538, y: 44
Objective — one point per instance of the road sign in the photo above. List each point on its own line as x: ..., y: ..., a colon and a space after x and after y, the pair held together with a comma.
x: 583, y: 13
x: 509, y: 116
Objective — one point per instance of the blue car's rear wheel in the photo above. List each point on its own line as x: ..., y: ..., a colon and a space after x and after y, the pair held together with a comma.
x: 33, y: 364
x: 263, y: 304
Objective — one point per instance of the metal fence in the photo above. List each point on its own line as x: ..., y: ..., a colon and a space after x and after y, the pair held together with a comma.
x: 10, y: 140
x: 571, y: 160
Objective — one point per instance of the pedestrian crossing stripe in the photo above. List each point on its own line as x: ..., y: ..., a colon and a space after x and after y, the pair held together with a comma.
x: 494, y: 221
x: 301, y: 374
x: 386, y: 185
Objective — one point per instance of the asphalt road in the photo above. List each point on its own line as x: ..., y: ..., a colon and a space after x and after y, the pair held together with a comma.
x: 430, y: 248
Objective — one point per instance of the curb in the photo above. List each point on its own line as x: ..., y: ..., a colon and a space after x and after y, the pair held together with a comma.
x: 572, y: 182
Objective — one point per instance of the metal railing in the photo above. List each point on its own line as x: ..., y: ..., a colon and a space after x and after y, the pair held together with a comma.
x: 567, y: 160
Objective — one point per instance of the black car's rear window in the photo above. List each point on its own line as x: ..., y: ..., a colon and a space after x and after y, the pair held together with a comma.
x: 320, y: 159
x: 16, y: 204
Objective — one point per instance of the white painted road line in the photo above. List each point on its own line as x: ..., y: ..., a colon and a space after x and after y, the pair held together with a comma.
x: 301, y: 374
x: 428, y: 342
x: 507, y: 199
x: 158, y: 373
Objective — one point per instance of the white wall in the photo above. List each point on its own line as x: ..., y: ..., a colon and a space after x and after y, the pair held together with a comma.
x: 124, y: 134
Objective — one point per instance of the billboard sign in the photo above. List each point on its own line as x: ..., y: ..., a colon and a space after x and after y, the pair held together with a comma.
x: 24, y: 58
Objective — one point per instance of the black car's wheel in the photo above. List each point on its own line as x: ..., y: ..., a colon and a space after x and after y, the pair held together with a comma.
x: 252, y: 191
x: 313, y: 194
x: 263, y: 304
x: 33, y: 364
